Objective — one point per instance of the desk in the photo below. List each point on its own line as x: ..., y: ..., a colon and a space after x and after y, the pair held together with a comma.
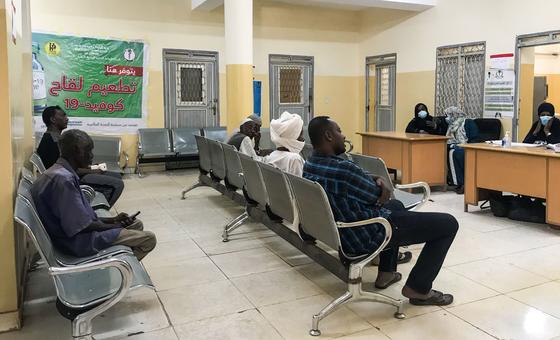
x: 527, y: 171
x: 420, y: 157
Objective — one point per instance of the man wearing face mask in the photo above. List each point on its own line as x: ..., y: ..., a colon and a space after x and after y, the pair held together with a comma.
x: 286, y: 133
x: 546, y: 128
x: 422, y: 122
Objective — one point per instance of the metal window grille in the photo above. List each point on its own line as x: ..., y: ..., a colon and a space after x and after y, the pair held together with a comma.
x: 384, y: 86
x: 191, y: 84
x: 460, y: 78
x: 291, y: 84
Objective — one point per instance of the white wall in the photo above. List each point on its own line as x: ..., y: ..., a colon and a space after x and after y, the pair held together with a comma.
x: 497, y: 22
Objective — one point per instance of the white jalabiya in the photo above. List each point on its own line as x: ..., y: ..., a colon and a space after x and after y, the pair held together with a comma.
x: 287, y: 161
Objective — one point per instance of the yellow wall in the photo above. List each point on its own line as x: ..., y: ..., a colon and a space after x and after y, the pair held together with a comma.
x: 553, y: 81
x: 526, y: 85
x: 15, y: 147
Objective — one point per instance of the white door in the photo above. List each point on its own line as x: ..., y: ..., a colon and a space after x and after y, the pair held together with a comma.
x: 291, y: 86
x: 191, y: 88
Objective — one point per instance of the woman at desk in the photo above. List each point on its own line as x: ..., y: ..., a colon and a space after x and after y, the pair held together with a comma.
x: 461, y: 131
x: 546, y: 128
x: 422, y: 121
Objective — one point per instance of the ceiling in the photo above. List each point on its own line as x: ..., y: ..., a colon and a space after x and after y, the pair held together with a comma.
x: 409, y: 5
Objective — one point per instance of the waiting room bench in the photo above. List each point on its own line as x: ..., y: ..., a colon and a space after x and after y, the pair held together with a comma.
x: 108, y: 150
x: 275, y: 198
x: 87, y: 286
x: 96, y: 199
x: 172, y: 146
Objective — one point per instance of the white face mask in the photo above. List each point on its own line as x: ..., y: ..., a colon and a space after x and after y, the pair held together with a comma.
x: 295, y: 146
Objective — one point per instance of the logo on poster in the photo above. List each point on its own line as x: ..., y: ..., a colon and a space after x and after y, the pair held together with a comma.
x: 129, y: 54
x: 52, y: 48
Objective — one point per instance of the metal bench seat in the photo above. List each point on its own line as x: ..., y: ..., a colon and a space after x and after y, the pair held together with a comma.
x: 88, y: 288
x: 154, y: 145
x: 108, y: 150
x: 376, y: 166
x: 217, y: 133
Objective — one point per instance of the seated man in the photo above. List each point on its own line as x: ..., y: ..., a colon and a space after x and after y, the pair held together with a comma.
x: 287, y: 133
x: 109, y: 184
x: 66, y: 214
x: 244, y: 139
x: 354, y: 195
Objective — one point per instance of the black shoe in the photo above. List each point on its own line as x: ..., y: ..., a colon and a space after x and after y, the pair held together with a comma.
x: 460, y: 190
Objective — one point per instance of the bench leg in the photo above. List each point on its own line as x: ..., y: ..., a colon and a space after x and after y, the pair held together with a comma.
x: 331, y: 307
x: 231, y: 226
x: 192, y: 187
x: 138, y: 171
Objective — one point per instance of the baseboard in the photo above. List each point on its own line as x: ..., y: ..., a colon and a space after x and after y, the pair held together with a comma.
x: 10, y: 321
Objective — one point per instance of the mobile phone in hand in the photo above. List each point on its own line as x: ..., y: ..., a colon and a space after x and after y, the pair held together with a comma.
x: 132, y: 217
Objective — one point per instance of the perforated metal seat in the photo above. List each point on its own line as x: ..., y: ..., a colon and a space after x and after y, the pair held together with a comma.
x: 376, y: 166
x: 107, y: 149
x: 215, y: 133
x: 86, y: 287
x: 265, y: 141
x: 317, y: 221
x: 204, y: 163
x: 217, y: 160
x: 154, y: 145
x: 279, y: 198
x: 184, y: 142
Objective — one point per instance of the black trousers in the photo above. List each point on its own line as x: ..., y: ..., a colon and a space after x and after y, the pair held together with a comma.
x: 436, y: 229
x: 110, y: 184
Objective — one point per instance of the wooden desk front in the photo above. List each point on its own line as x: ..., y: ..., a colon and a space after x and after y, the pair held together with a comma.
x: 527, y: 171
x: 420, y: 157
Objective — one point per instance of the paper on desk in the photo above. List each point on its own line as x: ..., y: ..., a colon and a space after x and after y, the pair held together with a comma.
x: 527, y: 145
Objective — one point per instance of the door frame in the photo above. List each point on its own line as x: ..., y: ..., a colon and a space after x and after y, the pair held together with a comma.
x: 381, y: 59
x: 521, y: 41
x: 295, y: 60
x: 166, y: 53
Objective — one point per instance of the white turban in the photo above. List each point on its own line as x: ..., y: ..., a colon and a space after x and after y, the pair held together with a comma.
x: 285, y: 131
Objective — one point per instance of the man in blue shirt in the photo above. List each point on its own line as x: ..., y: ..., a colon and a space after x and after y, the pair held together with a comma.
x: 355, y: 195
x: 70, y: 221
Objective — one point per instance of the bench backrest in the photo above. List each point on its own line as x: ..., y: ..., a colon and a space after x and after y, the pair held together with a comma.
x: 266, y: 142
x: 233, y: 166
x: 217, y: 158
x: 306, y: 151
x: 184, y: 142
x: 375, y: 166
x: 26, y: 216
x: 278, y: 191
x: 215, y: 133
x: 37, y: 162
x: 314, y: 211
x: 106, y: 149
x: 203, y: 153
x: 254, y: 186
x: 153, y: 141
x: 27, y: 175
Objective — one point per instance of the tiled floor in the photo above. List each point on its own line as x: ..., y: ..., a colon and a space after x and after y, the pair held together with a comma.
x: 503, y: 275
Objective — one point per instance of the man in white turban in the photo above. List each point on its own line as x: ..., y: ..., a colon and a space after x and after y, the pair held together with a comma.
x: 287, y: 133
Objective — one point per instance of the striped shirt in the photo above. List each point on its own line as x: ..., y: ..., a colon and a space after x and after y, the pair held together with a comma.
x: 353, y: 197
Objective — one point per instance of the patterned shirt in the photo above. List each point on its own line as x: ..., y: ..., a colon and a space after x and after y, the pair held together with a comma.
x: 353, y: 197
x: 65, y: 212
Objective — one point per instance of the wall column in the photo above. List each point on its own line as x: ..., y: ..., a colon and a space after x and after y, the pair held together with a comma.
x: 239, y: 60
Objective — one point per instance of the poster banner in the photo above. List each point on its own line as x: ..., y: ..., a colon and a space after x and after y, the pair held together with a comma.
x: 499, y: 87
x: 100, y: 83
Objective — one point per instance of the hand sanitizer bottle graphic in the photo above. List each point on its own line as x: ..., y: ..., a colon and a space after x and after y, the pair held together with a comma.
x: 39, y: 84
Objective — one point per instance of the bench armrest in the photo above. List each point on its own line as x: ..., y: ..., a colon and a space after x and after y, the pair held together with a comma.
x: 356, y: 270
x: 425, y: 188
x: 125, y: 155
x: 122, y: 266
x: 88, y: 192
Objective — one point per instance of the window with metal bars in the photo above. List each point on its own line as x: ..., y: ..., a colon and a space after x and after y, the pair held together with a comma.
x: 460, y: 78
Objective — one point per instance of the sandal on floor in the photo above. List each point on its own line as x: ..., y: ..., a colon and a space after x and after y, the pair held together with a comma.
x: 396, y: 278
x: 404, y: 257
x: 437, y: 299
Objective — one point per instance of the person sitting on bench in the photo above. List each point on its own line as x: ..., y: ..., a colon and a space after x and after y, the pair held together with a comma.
x: 66, y: 214
x: 108, y: 183
x: 244, y: 139
x: 354, y: 195
x: 287, y: 133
